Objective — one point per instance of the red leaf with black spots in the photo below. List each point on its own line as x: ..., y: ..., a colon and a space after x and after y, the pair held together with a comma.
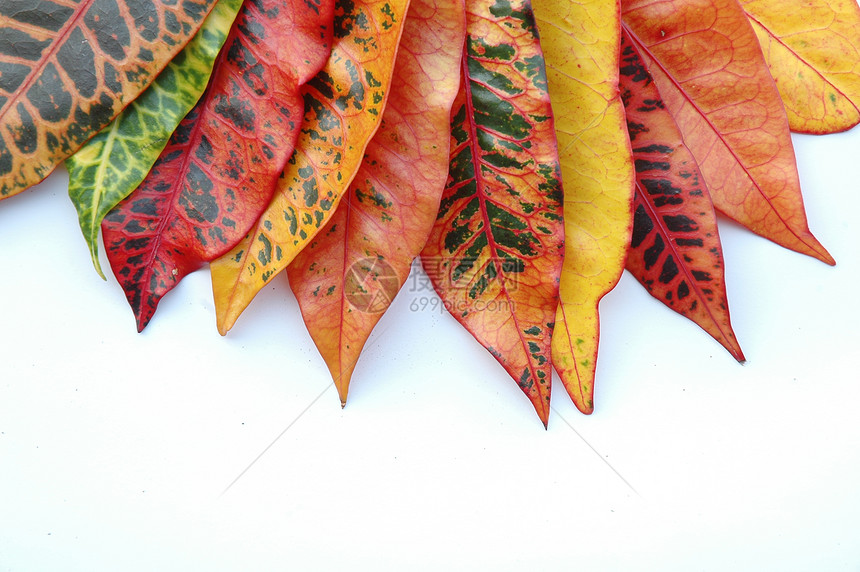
x: 675, y: 248
x: 219, y: 170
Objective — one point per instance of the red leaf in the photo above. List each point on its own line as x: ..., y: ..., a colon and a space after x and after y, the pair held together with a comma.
x: 675, y: 251
x: 220, y: 168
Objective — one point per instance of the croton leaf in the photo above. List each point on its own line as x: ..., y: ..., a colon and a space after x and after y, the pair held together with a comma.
x: 708, y: 66
x: 115, y: 161
x: 813, y: 51
x: 675, y: 249
x: 346, y: 277
x: 67, y: 67
x: 219, y: 170
x: 495, y: 252
x: 343, y: 105
x: 580, y: 42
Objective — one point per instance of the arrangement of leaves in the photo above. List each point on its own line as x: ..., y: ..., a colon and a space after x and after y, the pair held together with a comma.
x: 527, y: 155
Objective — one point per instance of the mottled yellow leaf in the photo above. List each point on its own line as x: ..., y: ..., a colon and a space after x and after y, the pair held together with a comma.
x: 343, y: 106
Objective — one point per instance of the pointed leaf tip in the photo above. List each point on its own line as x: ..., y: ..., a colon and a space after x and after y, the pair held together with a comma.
x: 346, y: 278
x: 675, y: 250
x: 495, y: 252
x: 580, y: 42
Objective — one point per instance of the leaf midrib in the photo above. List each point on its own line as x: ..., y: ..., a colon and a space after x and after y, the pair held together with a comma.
x: 482, y: 201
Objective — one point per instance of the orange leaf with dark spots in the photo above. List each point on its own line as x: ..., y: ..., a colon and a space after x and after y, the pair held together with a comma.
x: 707, y: 64
x: 495, y: 252
x: 347, y: 276
x: 813, y: 51
x: 219, y: 170
x: 675, y: 249
x: 67, y: 67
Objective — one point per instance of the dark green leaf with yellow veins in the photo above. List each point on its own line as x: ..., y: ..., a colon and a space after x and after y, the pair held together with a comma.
x: 68, y: 67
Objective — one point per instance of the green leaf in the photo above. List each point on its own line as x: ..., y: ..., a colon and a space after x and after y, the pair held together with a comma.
x: 114, y: 162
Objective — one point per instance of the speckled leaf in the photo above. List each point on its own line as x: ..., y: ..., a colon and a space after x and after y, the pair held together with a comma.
x: 813, y: 51
x: 495, y: 252
x: 114, y: 162
x: 707, y: 64
x: 675, y: 249
x: 343, y: 106
x: 67, y: 67
x: 345, y: 278
x: 580, y: 42
x: 219, y: 170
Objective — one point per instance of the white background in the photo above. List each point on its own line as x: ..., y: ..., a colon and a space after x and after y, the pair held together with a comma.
x: 121, y: 451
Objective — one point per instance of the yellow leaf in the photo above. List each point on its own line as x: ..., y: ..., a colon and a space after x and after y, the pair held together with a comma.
x: 343, y: 106
x: 813, y: 52
x: 581, y: 42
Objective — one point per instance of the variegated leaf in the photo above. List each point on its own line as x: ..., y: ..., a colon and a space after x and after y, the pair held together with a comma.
x: 67, y: 67
x: 114, y: 162
x: 343, y: 105
x: 495, y: 252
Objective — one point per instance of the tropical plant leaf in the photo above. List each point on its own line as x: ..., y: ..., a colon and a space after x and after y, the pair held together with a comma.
x: 115, y: 161
x: 342, y: 105
x: 813, y: 51
x: 220, y: 168
x: 580, y: 43
x: 495, y: 252
x: 68, y: 67
x: 707, y: 64
x: 346, y: 277
x: 675, y: 249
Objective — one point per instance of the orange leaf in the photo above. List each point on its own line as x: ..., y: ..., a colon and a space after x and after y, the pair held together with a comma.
x: 813, y: 51
x: 343, y: 104
x: 707, y: 64
x: 495, y: 252
x: 675, y: 250
x: 347, y: 276
x: 580, y: 42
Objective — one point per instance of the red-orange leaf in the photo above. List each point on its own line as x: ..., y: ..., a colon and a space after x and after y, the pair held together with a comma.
x: 706, y: 62
x: 219, y: 170
x: 67, y: 67
x: 495, y: 253
x: 675, y: 251
x: 347, y: 276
